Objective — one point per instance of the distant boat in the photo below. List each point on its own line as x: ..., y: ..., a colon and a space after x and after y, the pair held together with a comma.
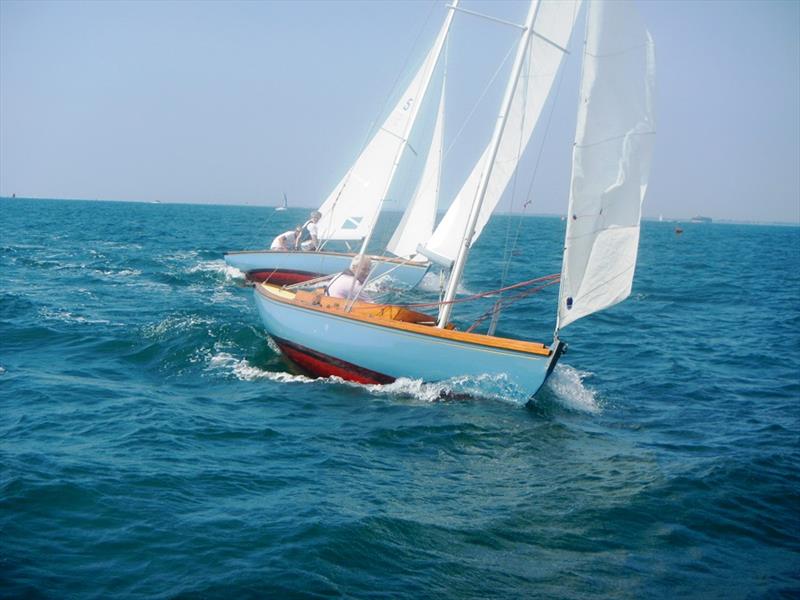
x: 700, y: 219
x: 285, y: 204
x: 660, y: 218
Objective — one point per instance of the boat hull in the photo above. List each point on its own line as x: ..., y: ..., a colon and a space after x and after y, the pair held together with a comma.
x: 282, y: 267
x: 325, y: 343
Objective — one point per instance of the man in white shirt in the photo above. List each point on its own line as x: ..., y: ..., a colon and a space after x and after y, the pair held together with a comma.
x: 286, y: 241
x: 349, y: 282
x: 309, y: 239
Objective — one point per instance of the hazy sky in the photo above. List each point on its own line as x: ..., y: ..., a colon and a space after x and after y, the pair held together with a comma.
x: 237, y: 102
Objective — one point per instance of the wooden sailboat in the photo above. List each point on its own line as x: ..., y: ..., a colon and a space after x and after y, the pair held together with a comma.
x: 379, y: 343
x: 351, y: 211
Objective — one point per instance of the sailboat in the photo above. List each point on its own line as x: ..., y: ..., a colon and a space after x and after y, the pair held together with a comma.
x: 379, y: 343
x: 285, y: 205
x: 350, y: 213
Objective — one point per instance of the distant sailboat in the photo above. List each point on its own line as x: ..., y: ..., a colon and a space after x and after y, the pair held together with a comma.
x: 376, y: 343
x: 285, y: 205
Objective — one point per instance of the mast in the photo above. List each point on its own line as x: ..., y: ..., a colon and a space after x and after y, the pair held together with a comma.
x: 461, y: 258
x: 407, y: 129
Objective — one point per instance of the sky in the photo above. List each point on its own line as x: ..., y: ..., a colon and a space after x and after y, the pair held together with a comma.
x: 240, y: 102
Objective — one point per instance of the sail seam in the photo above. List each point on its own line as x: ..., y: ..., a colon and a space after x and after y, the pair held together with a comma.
x: 616, y: 137
x: 598, y: 230
x: 605, y: 282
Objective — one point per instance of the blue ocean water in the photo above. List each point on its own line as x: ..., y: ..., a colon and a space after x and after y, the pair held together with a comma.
x: 153, y: 443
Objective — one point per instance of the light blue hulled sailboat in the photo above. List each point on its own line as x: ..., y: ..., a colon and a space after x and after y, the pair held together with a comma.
x: 613, y: 144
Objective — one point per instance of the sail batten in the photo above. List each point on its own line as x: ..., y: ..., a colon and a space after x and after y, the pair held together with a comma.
x: 610, y: 164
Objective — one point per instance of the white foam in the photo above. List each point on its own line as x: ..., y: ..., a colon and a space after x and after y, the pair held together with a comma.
x: 68, y: 317
x: 244, y: 371
x: 567, y: 383
x: 492, y: 387
x: 219, y: 267
x: 176, y: 323
x: 432, y: 283
x: 110, y: 274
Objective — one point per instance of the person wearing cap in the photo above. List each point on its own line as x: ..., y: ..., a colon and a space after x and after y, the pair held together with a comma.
x: 287, y: 240
x: 308, y: 239
x: 349, y: 282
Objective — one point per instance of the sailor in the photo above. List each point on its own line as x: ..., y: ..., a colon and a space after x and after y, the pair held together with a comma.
x: 349, y: 282
x: 309, y: 239
x: 287, y: 240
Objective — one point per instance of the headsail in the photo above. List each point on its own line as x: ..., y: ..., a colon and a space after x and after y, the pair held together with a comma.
x: 419, y: 218
x: 611, y: 161
x: 351, y: 210
x: 554, y: 23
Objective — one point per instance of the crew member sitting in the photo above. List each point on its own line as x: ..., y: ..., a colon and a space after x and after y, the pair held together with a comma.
x: 308, y: 239
x: 287, y: 240
x: 349, y: 282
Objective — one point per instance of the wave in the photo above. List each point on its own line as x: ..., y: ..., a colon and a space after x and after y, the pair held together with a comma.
x: 121, y: 273
x: 244, y: 371
x: 175, y: 323
x: 491, y: 387
x: 567, y: 384
x: 432, y: 284
x: 67, y: 317
x: 218, y: 267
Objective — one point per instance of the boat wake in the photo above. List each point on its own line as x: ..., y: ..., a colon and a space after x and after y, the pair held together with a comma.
x: 218, y: 267
x: 457, y: 388
x: 431, y: 283
x: 568, y: 388
x: 565, y: 386
x: 244, y: 371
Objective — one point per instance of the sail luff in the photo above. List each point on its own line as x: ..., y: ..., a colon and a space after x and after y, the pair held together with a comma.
x: 611, y: 162
x: 461, y: 258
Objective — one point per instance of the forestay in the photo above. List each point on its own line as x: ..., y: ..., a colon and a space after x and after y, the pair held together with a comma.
x: 351, y: 210
x: 552, y: 30
x: 611, y: 161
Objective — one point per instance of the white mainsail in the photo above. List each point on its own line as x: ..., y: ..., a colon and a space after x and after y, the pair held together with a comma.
x: 611, y: 161
x: 351, y: 210
x: 554, y: 23
x: 419, y: 218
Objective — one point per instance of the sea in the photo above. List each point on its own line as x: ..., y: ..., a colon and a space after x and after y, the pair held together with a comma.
x: 155, y: 444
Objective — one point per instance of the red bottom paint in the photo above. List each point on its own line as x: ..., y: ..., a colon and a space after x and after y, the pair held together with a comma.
x: 323, y: 365
x: 277, y: 277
